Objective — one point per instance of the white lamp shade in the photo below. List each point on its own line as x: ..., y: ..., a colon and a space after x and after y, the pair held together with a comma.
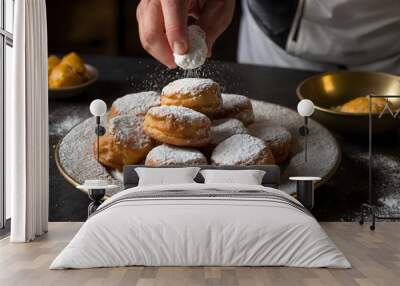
x: 98, y: 107
x: 305, y: 108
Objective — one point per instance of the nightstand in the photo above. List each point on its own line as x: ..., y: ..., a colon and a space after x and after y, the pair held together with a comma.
x: 305, y: 190
x: 96, y: 190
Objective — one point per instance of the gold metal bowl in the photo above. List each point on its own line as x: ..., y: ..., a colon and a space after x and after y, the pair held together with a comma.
x: 333, y: 89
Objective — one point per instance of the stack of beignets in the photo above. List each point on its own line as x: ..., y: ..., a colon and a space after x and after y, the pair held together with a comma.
x: 179, y: 121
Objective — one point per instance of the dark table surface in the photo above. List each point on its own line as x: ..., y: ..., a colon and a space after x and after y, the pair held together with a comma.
x: 339, y: 199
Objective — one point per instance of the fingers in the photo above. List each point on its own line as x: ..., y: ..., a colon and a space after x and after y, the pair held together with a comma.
x: 215, y: 17
x: 163, y: 24
x: 151, y: 31
x: 194, y: 8
x: 175, y: 20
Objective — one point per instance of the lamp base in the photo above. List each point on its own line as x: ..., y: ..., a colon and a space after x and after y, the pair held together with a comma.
x: 305, y: 193
x: 96, y: 195
x: 305, y: 190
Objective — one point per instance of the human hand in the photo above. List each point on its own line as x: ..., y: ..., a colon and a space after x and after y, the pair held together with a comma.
x: 163, y: 24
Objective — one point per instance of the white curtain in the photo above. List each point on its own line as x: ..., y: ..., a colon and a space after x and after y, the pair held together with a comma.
x: 27, y: 124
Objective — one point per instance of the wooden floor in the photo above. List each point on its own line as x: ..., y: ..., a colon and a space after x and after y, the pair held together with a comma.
x: 375, y: 257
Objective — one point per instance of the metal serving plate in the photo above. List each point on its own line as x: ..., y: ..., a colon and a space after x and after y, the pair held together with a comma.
x: 76, y: 162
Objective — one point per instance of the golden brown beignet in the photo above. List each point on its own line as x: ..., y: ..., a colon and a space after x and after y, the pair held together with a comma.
x: 202, y: 95
x: 134, y: 104
x: 168, y: 155
x: 225, y: 128
x: 235, y: 106
x: 179, y: 126
x: 361, y: 105
x: 242, y: 150
x: 124, y: 143
x: 63, y: 75
x: 278, y: 138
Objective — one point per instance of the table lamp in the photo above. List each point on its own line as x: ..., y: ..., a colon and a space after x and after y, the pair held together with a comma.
x: 305, y: 108
x: 305, y: 184
x: 97, y: 188
x: 98, y: 108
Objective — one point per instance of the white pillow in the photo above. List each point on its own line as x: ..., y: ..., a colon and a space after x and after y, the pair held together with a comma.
x: 247, y: 177
x: 166, y: 176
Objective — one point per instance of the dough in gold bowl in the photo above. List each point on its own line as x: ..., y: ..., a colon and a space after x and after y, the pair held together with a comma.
x: 361, y: 105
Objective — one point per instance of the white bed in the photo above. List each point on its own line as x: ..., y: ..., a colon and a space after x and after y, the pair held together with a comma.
x: 222, y: 225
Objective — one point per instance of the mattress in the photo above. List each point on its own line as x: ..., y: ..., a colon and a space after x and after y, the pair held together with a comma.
x: 201, y: 225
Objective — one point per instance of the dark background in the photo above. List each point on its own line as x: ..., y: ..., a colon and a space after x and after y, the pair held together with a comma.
x: 109, y: 27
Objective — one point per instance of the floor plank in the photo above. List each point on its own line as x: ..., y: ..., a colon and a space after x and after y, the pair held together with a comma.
x: 375, y: 257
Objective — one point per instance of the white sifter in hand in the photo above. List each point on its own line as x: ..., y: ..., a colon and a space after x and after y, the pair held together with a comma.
x: 197, y: 53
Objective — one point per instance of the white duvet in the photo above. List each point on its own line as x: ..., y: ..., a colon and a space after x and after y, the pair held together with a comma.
x: 189, y: 231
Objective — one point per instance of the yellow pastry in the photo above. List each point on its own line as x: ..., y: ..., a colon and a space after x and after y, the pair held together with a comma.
x: 76, y: 63
x: 361, y: 105
x: 63, y: 75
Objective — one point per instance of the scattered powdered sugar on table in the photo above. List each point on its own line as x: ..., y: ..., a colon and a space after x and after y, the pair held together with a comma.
x: 239, y: 148
x: 170, y: 155
x: 64, y: 118
x: 62, y: 127
x: 197, y: 53
x: 179, y: 113
x: 137, y: 103
x: 77, y: 159
x: 188, y: 86
x: 391, y: 201
x: 385, y: 180
x: 128, y: 129
x: 224, y: 128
